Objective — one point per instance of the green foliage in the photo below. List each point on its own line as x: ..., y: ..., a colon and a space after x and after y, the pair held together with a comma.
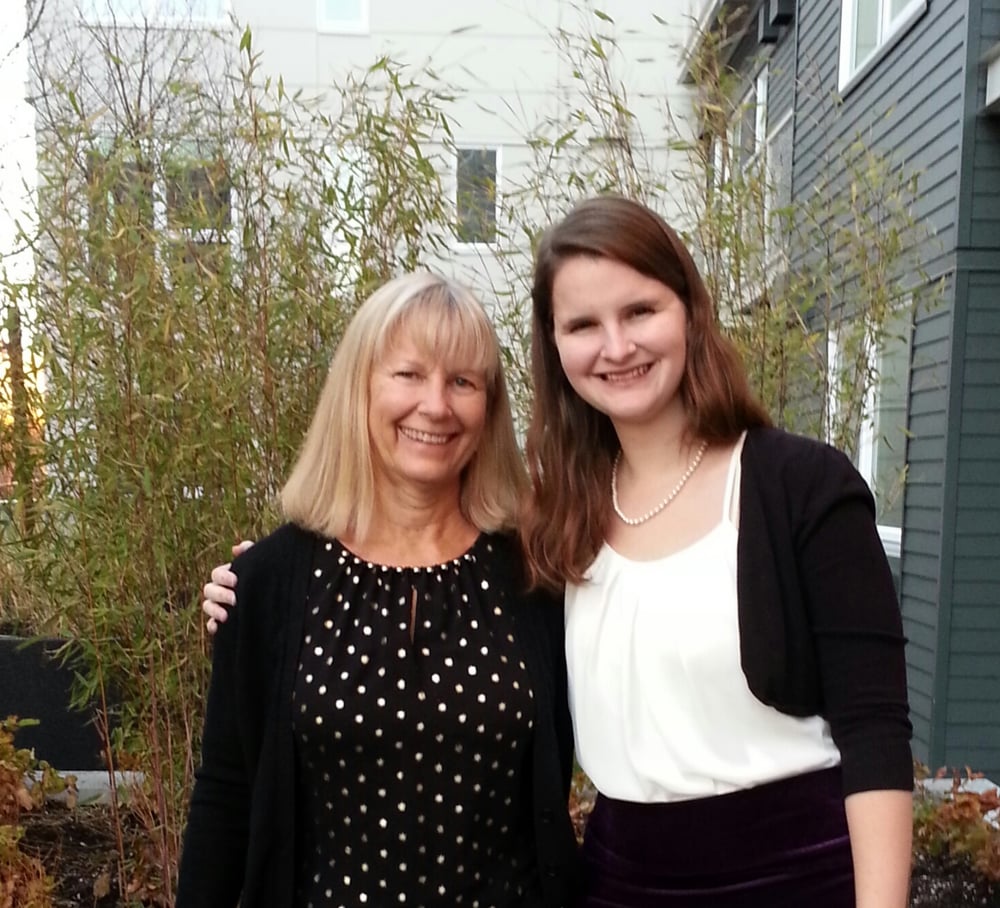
x: 202, y: 240
x: 199, y: 252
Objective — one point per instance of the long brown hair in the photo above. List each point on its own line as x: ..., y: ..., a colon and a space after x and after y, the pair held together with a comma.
x: 570, y: 445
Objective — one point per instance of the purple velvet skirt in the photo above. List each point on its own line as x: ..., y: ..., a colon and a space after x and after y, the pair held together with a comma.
x: 779, y: 845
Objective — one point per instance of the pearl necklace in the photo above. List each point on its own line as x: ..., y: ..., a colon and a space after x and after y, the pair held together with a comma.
x: 649, y: 515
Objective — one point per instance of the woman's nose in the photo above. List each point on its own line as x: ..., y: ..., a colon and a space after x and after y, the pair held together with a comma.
x: 434, y: 401
x: 617, y: 345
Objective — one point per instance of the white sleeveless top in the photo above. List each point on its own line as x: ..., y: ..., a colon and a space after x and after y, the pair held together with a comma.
x: 661, y: 709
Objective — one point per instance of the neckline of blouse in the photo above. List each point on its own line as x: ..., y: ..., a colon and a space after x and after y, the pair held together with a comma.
x: 468, y: 555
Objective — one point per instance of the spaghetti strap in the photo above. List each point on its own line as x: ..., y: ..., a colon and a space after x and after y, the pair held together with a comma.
x: 730, y: 499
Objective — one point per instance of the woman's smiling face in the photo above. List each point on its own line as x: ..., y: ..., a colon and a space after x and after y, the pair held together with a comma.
x: 621, y: 338
x: 425, y: 417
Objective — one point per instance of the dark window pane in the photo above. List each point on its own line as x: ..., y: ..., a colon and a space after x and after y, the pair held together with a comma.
x: 476, y: 196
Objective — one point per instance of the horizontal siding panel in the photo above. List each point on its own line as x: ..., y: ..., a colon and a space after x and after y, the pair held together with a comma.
x: 924, y: 401
x: 928, y: 424
x: 979, y: 372
x: 920, y: 542
x: 969, y: 712
x: 979, y: 497
x: 985, y: 234
x: 923, y: 566
x: 936, y: 326
x: 976, y: 569
x: 978, y: 735
x: 921, y: 636
x: 919, y: 670
x: 986, y: 205
x: 973, y: 642
x: 975, y: 471
x: 984, y: 349
x: 982, y: 617
x: 979, y: 402
x: 920, y: 705
x: 972, y: 688
x: 976, y: 522
x: 935, y: 352
x: 920, y: 589
x: 921, y: 613
x: 978, y: 592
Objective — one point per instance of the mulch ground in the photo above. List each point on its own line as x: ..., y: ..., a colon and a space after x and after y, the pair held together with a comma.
x: 78, y: 850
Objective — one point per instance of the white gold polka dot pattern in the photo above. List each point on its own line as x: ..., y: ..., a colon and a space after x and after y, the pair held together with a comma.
x: 413, y: 715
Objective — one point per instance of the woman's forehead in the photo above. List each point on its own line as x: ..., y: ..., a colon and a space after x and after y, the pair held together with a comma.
x: 445, y: 338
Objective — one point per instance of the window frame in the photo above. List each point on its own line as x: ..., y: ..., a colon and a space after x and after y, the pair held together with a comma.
x: 465, y: 245
x: 890, y: 31
x: 173, y: 234
x: 358, y: 26
x: 866, y: 460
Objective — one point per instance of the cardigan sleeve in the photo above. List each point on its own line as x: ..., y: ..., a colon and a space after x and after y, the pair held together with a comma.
x: 857, y: 630
x: 215, y: 842
x: 217, y: 835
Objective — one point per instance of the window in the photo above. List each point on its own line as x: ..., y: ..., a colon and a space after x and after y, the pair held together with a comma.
x: 184, y: 196
x: 868, y: 28
x: 882, y: 442
x: 343, y: 16
x: 476, y: 181
x: 881, y: 450
x: 778, y: 193
x: 198, y: 209
x: 139, y: 11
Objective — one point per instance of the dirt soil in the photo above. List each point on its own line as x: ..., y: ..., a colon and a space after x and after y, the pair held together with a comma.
x: 79, y: 852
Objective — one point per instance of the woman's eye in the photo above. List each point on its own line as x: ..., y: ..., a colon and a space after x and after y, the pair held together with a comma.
x: 465, y: 383
x: 406, y: 374
x: 577, y: 327
x: 639, y: 311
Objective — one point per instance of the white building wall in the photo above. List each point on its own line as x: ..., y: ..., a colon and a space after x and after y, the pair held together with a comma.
x: 502, y: 55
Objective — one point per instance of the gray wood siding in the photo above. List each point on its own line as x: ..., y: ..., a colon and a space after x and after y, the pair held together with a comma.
x: 974, y: 666
x: 920, y: 105
x: 970, y: 726
x: 915, y: 120
x: 981, y: 229
x: 909, y: 106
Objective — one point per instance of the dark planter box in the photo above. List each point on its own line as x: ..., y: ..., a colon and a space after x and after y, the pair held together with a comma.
x: 33, y: 685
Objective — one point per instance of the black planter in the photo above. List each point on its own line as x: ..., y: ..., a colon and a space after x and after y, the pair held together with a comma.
x: 34, y: 685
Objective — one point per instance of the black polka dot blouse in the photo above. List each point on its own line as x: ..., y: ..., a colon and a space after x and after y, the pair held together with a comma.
x: 413, y: 716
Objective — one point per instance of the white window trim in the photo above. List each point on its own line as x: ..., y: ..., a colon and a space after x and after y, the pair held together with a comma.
x: 891, y: 536
x: 458, y: 245
x: 359, y: 26
x: 853, y: 71
x: 776, y: 263
x: 97, y: 12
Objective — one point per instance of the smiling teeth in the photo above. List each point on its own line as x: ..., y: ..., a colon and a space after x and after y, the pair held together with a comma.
x: 626, y: 376
x: 427, y: 438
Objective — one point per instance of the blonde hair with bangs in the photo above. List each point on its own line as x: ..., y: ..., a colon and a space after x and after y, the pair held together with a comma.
x: 331, y: 489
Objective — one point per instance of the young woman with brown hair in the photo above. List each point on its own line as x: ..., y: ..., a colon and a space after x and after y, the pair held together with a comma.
x: 733, y: 639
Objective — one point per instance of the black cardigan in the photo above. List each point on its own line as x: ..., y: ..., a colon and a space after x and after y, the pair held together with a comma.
x: 820, y: 625
x: 240, y: 839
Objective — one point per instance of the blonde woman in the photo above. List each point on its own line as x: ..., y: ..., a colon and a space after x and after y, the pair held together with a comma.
x: 387, y: 719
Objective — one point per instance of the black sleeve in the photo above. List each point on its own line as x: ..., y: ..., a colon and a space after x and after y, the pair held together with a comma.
x: 857, y: 628
x: 215, y: 841
x: 563, y: 719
